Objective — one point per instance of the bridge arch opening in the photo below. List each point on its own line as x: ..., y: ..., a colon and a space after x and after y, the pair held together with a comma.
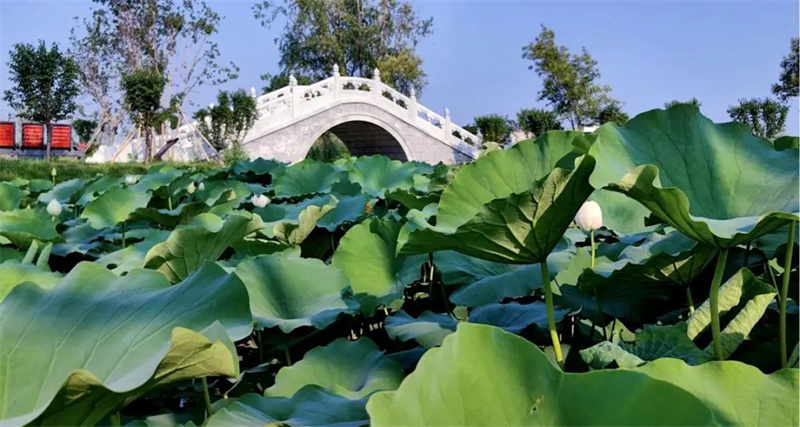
x: 362, y: 136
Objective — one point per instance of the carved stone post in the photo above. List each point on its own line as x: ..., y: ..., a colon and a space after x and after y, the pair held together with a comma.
x: 337, y: 86
x: 446, y: 125
x: 412, y: 106
x: 253, y: 92
x: 376, y: 84
x: 293, y: 94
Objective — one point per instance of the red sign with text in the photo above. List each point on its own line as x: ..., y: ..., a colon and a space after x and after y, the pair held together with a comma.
x: 32, y: 135
x: 7, y: 135
x: 59, y: 136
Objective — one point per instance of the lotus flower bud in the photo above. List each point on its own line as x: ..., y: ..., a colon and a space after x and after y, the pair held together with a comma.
x: 191, y: 188
x: 201, y: 187
x: 54, y: 208
x: 130, y: 180
x: 589, y: 216
x: 259, y: 201
x: 53, y: 172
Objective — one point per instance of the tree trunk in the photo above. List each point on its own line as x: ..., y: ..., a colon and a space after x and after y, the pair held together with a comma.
x: 148, y: 146
x: 47, y: 140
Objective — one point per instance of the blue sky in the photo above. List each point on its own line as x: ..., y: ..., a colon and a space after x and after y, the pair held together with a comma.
x: 649, y: 52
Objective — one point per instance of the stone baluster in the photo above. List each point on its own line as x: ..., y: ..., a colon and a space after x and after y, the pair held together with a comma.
x: 446, y: 124
x: 479, y: 135
x: 253, y: 92
x: 412, y: 106
x: 293, y: 94
x: 337, y: 86
x: 376, y: 84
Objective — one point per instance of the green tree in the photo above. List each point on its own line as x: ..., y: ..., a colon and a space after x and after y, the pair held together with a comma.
x: 226, y: 123
x: 788, y: 85
x: 613, y: 113
x: 278, y: 81
x: 765, y: 117
x: 328, y: 148
x: 493, y: 127
x: 569, y: 80
x: 44, y: 83
x: 536, y: 121
x: 358, y: 35
x: 143, y: 90
x: 173, y: 38
x: 692, y: 101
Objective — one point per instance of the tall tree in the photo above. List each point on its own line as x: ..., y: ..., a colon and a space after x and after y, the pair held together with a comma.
x: 45, y: 83
x: 788, y: 85
x: 692, y: 101
x: 569, y: 80
x: 765, y: 117
x: 535, y: 121
x: 172, y: 38
x: 143, y: 90
x: 612, y: 113
x: 358, y: 35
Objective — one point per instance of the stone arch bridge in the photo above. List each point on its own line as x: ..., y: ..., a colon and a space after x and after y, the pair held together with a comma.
x: 369, y: 117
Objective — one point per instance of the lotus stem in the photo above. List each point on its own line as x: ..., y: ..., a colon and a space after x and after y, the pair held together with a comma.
x: 207, y: 397
x: 288, y: 356
x: 596, y: 298
x: 115, y: 420
x: 123, y: 234
x: 787, y: 268
x: 689, y: 299
x: 551, y: 317
x: 591, y: 239
x: 169, y: 202
x: 716, y: 332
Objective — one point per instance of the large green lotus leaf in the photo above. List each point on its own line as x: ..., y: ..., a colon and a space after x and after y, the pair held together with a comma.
x: 353, y: 369
x: 157, y: 178
x: 98, y: 186
x: 296, y: 233
x: 623, y: 215
x: 413, y: 200
x: 114, y: 206
x: 259, y: 166
x: 428, y: 329
x: 311, y: 406
x: 521, y: 228
x: 378, y: 175
x: 491, y: 282
x: 653, y: 342
x: 295, y: 220
x: 182, y: 214
x: 349, y: 209
x: 96, y: 341
x: 515, y: 317
x: 367, y: 256
x: 306, y: 177
x: 36, y: 186
x: 492, y: 377
x: 13, y: 272
x: 124, y: 260
x: 744, y: 297
x: 705, y: 179
x: 786, y: 143
x: 737, y: 394
x: 80, y: 237
x: 205, y: 239
x: 292, y: 292
x: 64, y: 192
x: 22, y: 226
x: 10, y: 196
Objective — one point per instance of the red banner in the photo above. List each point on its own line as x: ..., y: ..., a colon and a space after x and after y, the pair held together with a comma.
x: 59, y: 136
x: 32, y: 135
x: 6, y: 135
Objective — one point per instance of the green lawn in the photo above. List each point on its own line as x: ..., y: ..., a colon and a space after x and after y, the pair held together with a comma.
x: 70, y: 168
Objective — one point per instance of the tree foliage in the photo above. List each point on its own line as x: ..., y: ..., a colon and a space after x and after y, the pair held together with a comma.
x: 788, y: 84
x: 692, y: 101
x: 765, y: 117
x: 281, y: 80
x: 226, y: 123
x: 535, y: 121
x: 328, y: 148
x: 493, y: 127
x: 358, y: 35
x: 44, y: 82
x: 569, y: 80
x: 613, y: 113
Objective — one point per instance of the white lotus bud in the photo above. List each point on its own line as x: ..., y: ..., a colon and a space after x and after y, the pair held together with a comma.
x: 54, y: 208
x: 589, y: 216
x: 201, y: 187
x: 53, y: 172
x: 130, y: 180
x: 259, y: 201
x: 191, y: 188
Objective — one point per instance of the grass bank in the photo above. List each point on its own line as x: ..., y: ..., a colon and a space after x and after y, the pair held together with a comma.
x: 69, y: 168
